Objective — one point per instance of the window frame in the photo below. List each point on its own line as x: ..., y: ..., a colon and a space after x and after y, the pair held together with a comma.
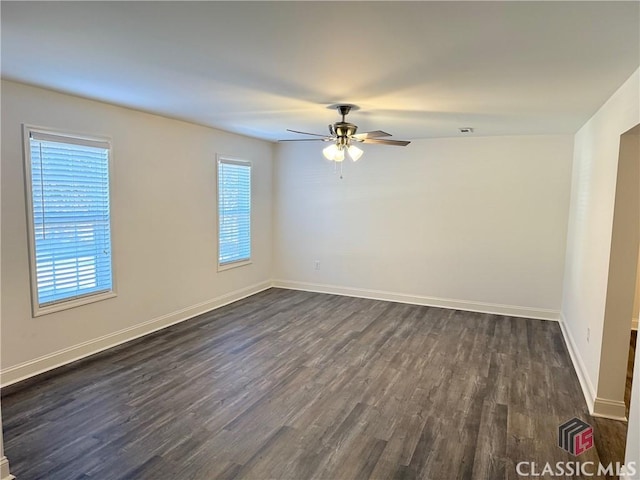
x: 76, y: 301
x: 236, y: 263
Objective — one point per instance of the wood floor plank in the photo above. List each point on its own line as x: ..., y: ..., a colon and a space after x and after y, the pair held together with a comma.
x: 297, y: 385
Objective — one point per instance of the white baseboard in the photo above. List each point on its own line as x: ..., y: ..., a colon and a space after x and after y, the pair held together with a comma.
x: 634, y: 324
x: 611, y: 409
x: 4, y: 470
x: 48, y: 362
x: 588, y: 390
x: 471, y: 306
x: 598, y: 407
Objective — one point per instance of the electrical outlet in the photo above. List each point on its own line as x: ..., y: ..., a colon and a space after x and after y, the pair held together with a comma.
x: 588, y: 334
x: 317, y: 264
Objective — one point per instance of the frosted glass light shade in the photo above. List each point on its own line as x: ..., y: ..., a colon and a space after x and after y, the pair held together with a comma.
x: 355, y: 153
x: 330, y: 152
x: 335, y: 153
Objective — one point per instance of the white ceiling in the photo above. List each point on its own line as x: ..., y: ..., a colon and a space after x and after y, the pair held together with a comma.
x: 416, y: 69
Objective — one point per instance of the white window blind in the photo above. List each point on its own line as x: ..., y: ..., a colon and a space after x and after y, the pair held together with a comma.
x: 234, y: 211
x: 70, y: 218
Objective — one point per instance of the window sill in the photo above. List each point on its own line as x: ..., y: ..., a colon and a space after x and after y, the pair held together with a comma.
x: 229, y: 266
x: 39, y: 311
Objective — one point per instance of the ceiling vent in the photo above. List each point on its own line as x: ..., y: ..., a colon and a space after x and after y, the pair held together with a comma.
x: 466, y: 130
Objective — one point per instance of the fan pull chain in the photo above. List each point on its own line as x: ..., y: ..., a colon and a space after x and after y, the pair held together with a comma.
x: 335, y: 168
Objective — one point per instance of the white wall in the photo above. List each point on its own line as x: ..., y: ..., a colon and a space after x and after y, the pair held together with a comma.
x: 164, y: 228
x: 5, y: 474
x: 476, y: 223
x: 595, y: 168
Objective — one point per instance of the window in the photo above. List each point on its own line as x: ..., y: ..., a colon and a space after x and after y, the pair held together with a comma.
x: 234, y: 213
x: 69, y: 222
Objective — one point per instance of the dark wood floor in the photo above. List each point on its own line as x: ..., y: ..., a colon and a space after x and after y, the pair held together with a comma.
x: 296, y: 385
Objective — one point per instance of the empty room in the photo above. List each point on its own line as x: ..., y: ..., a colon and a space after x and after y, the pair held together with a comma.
x: 319, y: 240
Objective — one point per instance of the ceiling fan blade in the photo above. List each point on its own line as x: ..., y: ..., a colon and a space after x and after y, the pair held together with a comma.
x: 374, y: 134
x: 325, y: 139
x: 331, y: 130
x: 398, y: 143
x: 306, y: 133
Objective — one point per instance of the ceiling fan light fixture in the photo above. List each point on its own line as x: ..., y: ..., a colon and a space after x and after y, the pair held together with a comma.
x: 342, y: 134
x: 355, y: 153
x: 330, y: 152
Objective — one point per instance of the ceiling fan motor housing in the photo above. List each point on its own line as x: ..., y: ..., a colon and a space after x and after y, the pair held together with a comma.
x: 344, y: 131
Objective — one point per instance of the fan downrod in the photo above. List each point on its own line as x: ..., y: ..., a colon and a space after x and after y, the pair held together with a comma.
x: 344, y: 110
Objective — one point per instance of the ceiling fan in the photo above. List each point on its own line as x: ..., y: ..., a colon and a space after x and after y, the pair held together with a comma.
x: 344, y: 137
